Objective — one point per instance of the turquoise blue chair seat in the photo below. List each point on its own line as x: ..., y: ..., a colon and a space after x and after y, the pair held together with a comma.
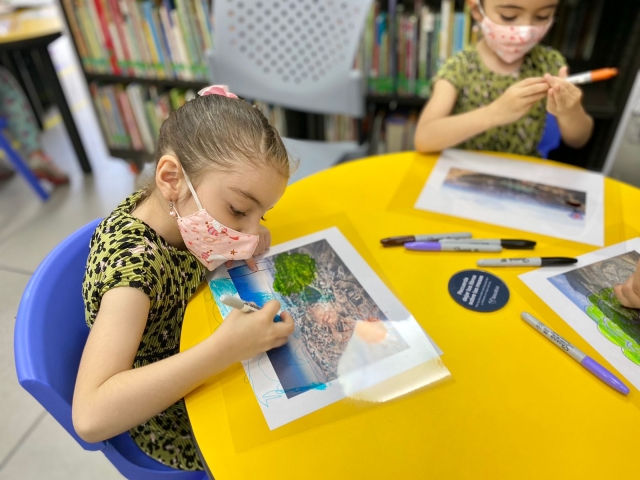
x: 50, y: 334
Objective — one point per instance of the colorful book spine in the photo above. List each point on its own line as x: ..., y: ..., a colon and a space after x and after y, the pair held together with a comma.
x: 446, y: 12
x: 187, y: 29
x: 152, y: 39
x: 163, y: 46
x: 129, y: 120
x: 102, y: 116
x: 115, y: 38
x: 135, y: 96
x: 77, y: 35
x: 181, y: 45
x: 102, y: 24
x: 94, y: 26
x: 138, y: 33
x: 202, y: 13
x: 119, y: 21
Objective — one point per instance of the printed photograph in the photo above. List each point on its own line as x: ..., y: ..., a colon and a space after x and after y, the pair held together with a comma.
x: 590, y: 288
x: 325, y: 299
x: 503, y: 193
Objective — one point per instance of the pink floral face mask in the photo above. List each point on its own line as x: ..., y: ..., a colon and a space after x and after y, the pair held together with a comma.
x: 211, y: 242
x: 511, y: 43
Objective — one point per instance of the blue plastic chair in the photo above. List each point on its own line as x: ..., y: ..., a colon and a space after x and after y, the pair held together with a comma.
x: 18, y: 163
x: 50, y: 334
x: 551, y: 136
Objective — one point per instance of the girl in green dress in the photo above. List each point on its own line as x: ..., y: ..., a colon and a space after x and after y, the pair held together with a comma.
x: 496, y: 95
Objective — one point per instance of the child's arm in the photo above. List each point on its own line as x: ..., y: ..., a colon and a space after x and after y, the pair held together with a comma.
x: 564, y: 101
x: 438, y: 129
x: 111, y: 397
x: 629, y: 292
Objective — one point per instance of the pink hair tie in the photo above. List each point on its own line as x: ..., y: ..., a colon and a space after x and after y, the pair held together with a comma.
x: 217, y: 90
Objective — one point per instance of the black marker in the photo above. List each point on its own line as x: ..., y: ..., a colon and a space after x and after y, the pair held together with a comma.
x: 527, y: 262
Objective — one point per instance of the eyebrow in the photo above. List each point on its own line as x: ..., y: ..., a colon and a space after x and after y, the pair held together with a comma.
x: 246, y: 195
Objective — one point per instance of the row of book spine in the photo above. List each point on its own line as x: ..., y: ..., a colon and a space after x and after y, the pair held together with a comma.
x: 131, y: 115
x: 165, y: 39
x: 402, y: 49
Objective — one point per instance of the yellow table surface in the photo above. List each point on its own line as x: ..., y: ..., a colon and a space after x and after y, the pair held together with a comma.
x: 23, y: 28
x: 515, y: 406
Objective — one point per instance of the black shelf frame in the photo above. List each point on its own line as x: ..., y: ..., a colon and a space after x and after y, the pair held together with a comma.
x: 169, y: 83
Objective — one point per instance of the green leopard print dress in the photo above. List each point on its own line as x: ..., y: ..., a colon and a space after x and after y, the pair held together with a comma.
x: 125, y: 252
x: 478, y: 86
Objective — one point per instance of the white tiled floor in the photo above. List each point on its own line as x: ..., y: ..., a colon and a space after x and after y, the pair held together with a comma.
x: 32, y: 444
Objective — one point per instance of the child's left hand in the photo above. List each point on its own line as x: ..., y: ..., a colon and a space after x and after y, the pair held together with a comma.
x: 263, y: 246
x: 563, y: 98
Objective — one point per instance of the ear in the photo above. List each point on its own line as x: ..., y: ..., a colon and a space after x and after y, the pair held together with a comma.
x: 170, y: 179
x: 475, y: 11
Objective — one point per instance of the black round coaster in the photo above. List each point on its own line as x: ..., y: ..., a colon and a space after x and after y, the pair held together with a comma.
x: 478, y: 290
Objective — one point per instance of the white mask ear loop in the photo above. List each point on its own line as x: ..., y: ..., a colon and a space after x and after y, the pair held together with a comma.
x: 193, y: 192
x: 484, y: 15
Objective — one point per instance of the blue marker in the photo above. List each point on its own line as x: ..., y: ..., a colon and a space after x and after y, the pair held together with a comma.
x: 246, y: 307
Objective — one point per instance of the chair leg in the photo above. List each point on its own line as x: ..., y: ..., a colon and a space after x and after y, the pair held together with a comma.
x: 22, y: 168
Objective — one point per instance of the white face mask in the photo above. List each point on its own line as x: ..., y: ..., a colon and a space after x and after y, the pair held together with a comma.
x: 211, y: 242
x: 511, y: 43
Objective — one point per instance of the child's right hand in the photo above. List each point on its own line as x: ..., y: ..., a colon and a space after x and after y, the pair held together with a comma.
x: 245, y: 335
x: 629, y: 292
x: 518, y: 99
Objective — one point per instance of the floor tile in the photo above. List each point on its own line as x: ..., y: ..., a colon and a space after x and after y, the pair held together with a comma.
x: 18, y: 410
x: 50, y: 453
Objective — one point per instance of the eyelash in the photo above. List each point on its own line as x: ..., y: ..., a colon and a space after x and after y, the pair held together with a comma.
x: 238, y: 213
x: 511, y: 19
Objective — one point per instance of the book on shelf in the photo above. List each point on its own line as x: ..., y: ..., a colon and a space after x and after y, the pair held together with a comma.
x: 131, y: 115
x: 340, y: 128
x: 155, y: 39
x: 403, y: 47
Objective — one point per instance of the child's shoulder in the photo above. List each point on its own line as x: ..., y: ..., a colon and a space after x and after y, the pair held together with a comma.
x: 545, y: 59
x: 463, y: 59
x: 461, y: 68
x: 120, y: 222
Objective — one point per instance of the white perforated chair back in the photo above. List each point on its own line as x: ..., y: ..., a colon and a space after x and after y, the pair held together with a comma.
x: 295, y: 53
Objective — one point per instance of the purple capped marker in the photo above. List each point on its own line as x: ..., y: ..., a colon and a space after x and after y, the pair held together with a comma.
x: 587, y: 362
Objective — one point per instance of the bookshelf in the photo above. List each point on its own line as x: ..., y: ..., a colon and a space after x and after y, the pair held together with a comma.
x: 142, y: 43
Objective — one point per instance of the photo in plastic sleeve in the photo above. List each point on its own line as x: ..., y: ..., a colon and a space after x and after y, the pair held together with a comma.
x: 348, y: 325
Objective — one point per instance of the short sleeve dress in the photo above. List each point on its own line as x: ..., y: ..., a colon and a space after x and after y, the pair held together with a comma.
x: 125, y: 252
x: 477, y: 86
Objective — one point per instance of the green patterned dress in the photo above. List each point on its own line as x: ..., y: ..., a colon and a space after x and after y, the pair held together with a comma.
x: 477, y: 86
x: 125, y: 252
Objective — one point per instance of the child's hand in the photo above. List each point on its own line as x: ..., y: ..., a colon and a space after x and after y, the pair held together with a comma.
x: 564, y: 98
x: 629, y: 292
x: 245, y: 335
x: 263, y: 246
x: 518, y: 99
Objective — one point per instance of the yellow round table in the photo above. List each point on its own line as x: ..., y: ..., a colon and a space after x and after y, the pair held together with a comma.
x: 515, y: 405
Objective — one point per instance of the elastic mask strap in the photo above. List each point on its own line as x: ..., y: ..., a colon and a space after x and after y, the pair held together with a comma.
x: 484, y: 15
x: 193, y: 192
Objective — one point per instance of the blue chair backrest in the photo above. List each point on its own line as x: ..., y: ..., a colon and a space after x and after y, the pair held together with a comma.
x: 551, y: 137
x: 49, y: 337
x: 50, y: 330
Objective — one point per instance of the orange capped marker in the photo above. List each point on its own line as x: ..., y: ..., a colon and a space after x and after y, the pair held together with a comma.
x: 593, y: 76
